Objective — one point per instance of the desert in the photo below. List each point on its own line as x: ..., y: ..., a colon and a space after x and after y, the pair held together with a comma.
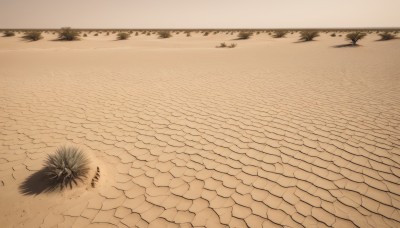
x: 272, y: 132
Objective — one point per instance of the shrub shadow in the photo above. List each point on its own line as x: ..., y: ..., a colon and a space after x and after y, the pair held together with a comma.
x: 346, y: 46
x: 37, y: 183
x: 240, y: 39
x: 303, y: 41
x: 382, y: 40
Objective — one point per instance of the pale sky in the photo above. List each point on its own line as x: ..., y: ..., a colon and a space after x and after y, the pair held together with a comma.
x: 199, y: 13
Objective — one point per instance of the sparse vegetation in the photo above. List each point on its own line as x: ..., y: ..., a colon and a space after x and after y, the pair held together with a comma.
x: 354, y: 37
x: 164, y: 34
x: 67, y: 166
x: 9, y: 33
x: 244, y: 35
x: 333, y: 35
x: 33, y: 36
x: 387, y: 36
x: 123, y: 36
x: 224, y: 45
x: 308, y: 35
x: 84, y: 35
x: 280, y: 34
x: 206, y: 33
x: 68, y: 34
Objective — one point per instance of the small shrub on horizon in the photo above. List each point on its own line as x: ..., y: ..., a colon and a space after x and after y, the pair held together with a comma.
x: 206, y: 33
x: 66, y: 167
x: 308, y: 35
x: 96, y: 34
x: 280, y: 34
x: 84, y: 35
x: 68, y: 34
x: 164, y: 34
x: 9, y: 33
x: 33, y: 36
x: 123, y: 36
x: 222, y: 45
x: 354, y: 37
x: 333, y: 35
x: 386, y: 36
x: 244, y: 35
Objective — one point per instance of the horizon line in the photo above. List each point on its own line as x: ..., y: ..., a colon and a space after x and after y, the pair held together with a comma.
x: 233, y: 28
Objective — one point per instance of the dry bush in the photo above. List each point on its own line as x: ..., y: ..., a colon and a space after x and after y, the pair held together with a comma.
x: 387, y: 36
x: 68, y: 34
x: 9, y: 33
x: 354, y: 37
x: 33, y: 36
x: 164, y: 34
x: 244, y: 35
x: 123, y: 36
x: 280, y: 34
x: 308, y: 35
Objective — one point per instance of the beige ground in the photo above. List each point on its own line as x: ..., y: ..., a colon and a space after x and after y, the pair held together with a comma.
x: 271, y: 133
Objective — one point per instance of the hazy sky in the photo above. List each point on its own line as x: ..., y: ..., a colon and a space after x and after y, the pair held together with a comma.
x: 198, y: 13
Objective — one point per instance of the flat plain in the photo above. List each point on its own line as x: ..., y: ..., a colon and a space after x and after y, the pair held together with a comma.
x: 271, y: 133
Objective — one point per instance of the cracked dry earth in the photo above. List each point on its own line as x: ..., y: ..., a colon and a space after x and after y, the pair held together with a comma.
x: 269, y: 134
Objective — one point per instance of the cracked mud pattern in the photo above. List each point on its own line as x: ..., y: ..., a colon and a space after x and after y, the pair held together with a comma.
x: 266, y: 147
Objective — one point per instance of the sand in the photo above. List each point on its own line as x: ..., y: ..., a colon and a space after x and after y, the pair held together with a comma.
x: 271, y: 133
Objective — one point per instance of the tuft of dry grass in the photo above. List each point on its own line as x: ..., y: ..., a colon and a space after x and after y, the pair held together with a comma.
x: 224, y: 45
x: 67, y: 166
